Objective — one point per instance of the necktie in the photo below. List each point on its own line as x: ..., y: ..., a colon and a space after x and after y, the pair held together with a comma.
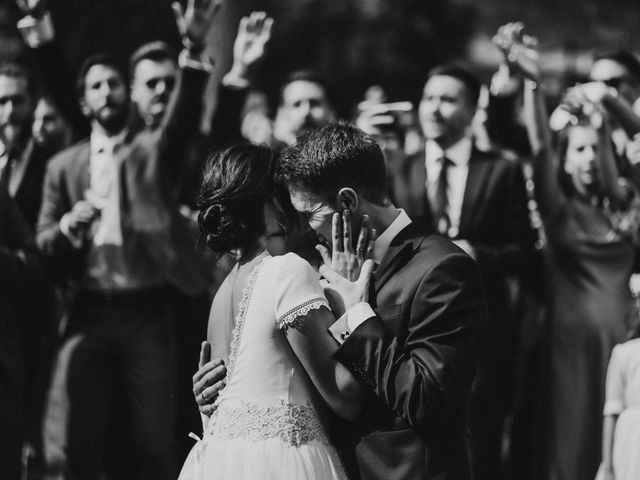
x: 441, y: 202
x: 5, y: 173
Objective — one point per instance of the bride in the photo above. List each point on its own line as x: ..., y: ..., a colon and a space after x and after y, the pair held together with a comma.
x: 269, y: 322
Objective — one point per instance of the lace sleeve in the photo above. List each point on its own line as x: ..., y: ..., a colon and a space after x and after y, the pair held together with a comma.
x: 292, y: 317
x: 298, y: 291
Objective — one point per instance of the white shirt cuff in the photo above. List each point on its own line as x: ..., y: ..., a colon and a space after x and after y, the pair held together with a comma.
x: 75, y: 240
x: 230, y: 80
x: 203, y: 62
x: 352, y: 319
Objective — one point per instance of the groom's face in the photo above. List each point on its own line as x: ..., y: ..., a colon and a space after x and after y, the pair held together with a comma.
x: 313, y: 209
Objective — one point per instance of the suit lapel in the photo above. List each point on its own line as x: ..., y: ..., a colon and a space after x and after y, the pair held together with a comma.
x: 418, y: 205
x: 81, y: 175
x: 479, y: 169
x: 400, y: 251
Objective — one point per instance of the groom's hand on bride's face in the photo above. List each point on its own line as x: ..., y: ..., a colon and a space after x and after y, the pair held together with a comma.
x: 208, y: 381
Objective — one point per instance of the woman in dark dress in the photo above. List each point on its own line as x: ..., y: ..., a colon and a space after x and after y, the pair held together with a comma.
x: 589, y: 259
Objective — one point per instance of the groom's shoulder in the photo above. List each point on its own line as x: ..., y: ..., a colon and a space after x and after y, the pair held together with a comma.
x: 434, y: 250
x: 427, y: 243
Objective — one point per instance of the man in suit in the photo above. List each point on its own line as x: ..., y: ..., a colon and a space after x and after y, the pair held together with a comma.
x: 22, y: 160
x: 27, y: 137
x: 478, y: 200
x: 19, y: 269
x: 110, y: 223
x: 416, y: 349
x: 304, y: 104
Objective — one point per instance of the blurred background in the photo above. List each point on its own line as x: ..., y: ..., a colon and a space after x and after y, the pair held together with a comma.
x: 354, y: 43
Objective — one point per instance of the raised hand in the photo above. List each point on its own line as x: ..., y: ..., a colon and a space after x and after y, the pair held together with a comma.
x: 195, y: 20
x: 34, y: 8
x: 254, y: 32
x: 519, y: 49
x: 342, y: 259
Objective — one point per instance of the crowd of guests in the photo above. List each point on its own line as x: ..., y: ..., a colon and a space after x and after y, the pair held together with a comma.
x: 105, y: 292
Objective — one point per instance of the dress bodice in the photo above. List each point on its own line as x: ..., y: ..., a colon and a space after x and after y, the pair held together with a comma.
x: 262, y: 366
x: 268, y: 393
x: 266, y: 424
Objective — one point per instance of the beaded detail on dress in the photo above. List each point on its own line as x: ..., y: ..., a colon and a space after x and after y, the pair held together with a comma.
x: 293, y: 424
x: 289, y: 319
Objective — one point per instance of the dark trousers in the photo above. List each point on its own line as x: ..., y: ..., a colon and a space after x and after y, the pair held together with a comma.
x: 492, y: 396
x: 190, y: 327
x: 11, y: 428
x: 123, y: 369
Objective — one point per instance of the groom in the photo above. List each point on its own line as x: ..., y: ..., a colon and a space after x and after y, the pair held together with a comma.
x: 416, y: 348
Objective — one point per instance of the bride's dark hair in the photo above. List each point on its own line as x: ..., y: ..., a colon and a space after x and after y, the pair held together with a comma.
x: 236, y: 183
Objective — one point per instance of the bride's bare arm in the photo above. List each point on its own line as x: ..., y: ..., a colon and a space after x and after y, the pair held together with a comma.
x: 314, y: 346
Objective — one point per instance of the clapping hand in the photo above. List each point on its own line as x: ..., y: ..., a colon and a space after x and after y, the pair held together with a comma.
x: 519, y: 49
x: 195, y: 20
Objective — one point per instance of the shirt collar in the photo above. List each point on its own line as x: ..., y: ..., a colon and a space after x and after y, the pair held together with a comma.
x: 101, y: 142
x: 383, y: 242
x: 459, y: 153
x: 25, y: 153
x: 26, y: 149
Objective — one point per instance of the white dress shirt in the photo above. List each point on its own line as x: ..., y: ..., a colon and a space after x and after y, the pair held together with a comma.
x: 104, y: 190
x: 360, y: 312
x: 459, y: 154
x: 103, y: 193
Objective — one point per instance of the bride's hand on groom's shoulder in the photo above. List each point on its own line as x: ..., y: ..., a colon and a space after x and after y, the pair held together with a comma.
x: 343, y: 259
x: 208, y: 381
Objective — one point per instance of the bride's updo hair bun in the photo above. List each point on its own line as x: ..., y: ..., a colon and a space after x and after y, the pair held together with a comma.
x: 237, y: 182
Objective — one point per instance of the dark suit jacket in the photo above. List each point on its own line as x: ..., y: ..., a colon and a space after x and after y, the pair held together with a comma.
x: 418, y: 357
x: 28, y: 197
x: 494, y: 219
x: 150, y: 175
x: 19, y: 269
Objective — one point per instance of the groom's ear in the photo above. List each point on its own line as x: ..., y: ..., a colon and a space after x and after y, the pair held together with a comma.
x: 348, y: 199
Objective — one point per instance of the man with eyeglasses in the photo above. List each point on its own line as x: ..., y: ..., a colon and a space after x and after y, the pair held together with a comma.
x: 620, y: 70
x: 154, y: 71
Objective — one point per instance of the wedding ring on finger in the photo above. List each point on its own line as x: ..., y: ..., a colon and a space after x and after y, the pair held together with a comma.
x: 361, y: 252
x: 204, y: 397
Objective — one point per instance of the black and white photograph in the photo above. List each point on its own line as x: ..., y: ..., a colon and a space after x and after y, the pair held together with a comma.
x: 319, y: 240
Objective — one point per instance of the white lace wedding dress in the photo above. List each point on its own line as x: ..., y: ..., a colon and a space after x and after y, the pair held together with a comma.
x: 265, y: 425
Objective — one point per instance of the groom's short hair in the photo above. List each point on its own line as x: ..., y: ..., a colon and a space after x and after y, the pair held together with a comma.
x: 335, y: 156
